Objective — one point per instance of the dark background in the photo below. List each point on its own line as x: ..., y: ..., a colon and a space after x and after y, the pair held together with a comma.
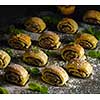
x: 16, y: 11
x: 9, y: 13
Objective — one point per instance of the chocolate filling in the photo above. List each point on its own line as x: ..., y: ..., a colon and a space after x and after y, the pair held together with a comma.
x: 33, y: 27
x: 86, y: 44
x: 47, y: 43
x: 67, y: 27
x: 12, y: 77
x: 33, y: 61
x: 3, y: 62
x: 92, y: 20
x: 17, y: 44
x: 69, y: 54
x: 70, y: 70
x: 52, y: 78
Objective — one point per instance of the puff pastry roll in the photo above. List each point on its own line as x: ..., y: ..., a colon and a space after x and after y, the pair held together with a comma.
x: 49, y: 40
x: 72, y: 51
x: 54, y: 75
x: 66, y: 9
x: 35, y: 57
x: 16, y: 74
x: 79, y: 68
x: 67, y: 25
x: 35, y: 24
x: 4, y: 59
x: 92, y: 16
x: 87, y: 41
x: 20, y: 41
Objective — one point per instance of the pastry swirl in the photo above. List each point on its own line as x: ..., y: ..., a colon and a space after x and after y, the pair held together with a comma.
x: 67, y: 25
x: 4, y: 59
x: 49, y: 40
x: 35, y: 24
x: 54, y: 75
x: 92, y: 16
x: 66, y: 9
x: 35, y: 57
x: 20, y: 41
x: 72, y: 51
x: 16, y: 74
x: 87, y: 41
x: 79, y: 68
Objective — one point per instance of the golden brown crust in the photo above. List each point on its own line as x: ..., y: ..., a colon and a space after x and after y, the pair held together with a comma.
x: 20, y: 41
x: 54, y: 75
x: 80, y: 68
x: 72, y: 51
x: 92, y: 16
x: 49, y: 40
x: 87, y: 41
x: 18, y: 72
x: 35, y: 57
x: 66, y: 9
x: 35, y: 24
x: 17, y: 69
x: 67, y: 25
x: 4, y: 59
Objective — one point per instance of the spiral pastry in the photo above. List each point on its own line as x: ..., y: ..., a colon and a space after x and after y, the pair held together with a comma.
x: 49, y: 40
x: 4, y: 59
x: 79, y: 68
x: 72, y: 51
x: 35, y: 24
x: 35, y: 57
x: 92, y: 16
x: 54, y: 75
x: 20, y: 41
x: 66, y: 9
x: 16, y: 74
x: 87, y: 41
x: 67, y: 25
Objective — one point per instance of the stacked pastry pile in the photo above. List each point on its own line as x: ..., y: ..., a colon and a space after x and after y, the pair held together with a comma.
x: 73, y: 53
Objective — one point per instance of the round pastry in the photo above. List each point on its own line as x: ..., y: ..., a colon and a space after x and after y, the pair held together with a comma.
x: 20, y: 41
x: 4, y: 59
x: 87, y: 41
x: 17, y: 74
x: 72, y: 51
x: 49, y: 40
x: 35, y: 57
x: 54, y: 75
x: 35, y: 24
x: 92, y: 16
x: 66, y: 9
x: 67, y: 25
x: 79, y: 68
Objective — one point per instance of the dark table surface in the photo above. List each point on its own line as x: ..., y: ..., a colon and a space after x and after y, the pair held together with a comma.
x: 74, y: 85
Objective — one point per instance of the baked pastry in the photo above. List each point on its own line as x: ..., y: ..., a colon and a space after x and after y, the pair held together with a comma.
x: 4, y: 59
x: 49, y: 40
x: 92, y: 16
x: 66, y: 9
x: 87, y: 41
x: 20, y: 41
x: 67, y: 25
x: 79, y: 68
x: 35, y: 24
x: 54, y: 75
x: 72, y: 51
x: 16, y: 74
x: 35, y: 57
